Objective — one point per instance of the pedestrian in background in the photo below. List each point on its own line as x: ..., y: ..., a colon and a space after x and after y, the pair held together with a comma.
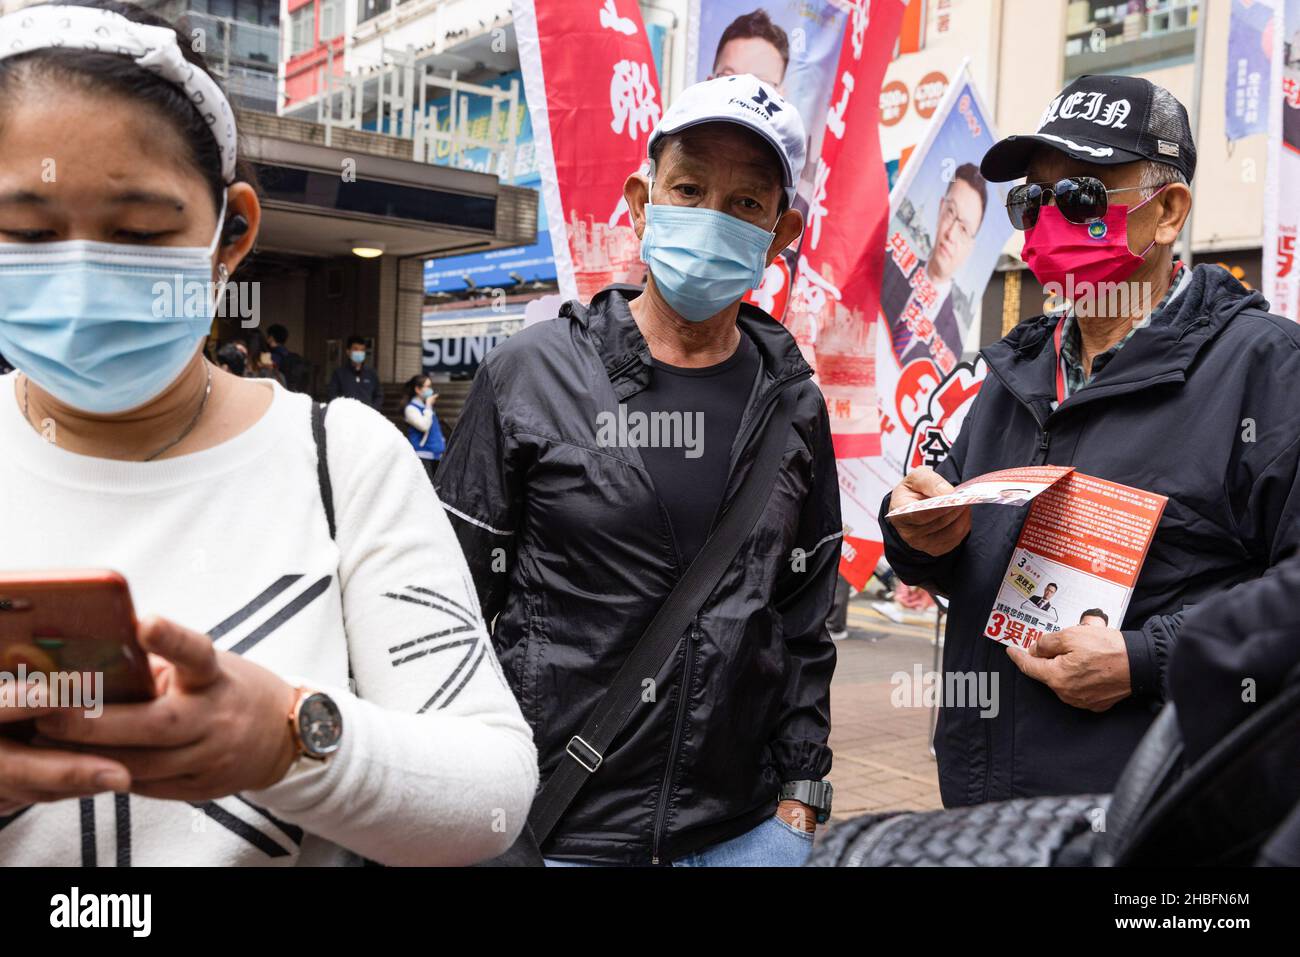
x: 292, y: 367
x: 356, y: 380
x: 423, y: 430
x: 232, y: 359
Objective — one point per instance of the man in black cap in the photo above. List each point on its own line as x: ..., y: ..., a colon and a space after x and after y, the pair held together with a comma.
x: 1166, y: 378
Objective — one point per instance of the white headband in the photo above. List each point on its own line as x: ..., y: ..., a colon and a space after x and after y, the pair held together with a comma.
x: 153, y: 48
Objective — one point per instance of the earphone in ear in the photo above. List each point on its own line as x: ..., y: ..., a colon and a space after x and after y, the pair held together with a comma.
x: 234, y: 230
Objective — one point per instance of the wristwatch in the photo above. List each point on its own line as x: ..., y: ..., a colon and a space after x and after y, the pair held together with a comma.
x: 315, y: 723
x: 815, y: 794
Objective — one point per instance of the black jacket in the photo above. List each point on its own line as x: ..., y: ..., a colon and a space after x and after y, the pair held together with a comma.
x: 1201, y: 406
x: 573, y: 553
x: 362, y: 385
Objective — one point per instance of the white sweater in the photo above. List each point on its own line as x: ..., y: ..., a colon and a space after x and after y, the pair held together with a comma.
x: 437, y: 766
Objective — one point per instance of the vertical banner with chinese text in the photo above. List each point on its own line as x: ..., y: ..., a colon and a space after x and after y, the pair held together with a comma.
x: 591, y: 86
x: 1280, y: 270
x: 1247, y: 94
x: 836, y: 290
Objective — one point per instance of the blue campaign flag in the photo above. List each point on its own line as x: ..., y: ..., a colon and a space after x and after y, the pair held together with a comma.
x: 1249, y: 54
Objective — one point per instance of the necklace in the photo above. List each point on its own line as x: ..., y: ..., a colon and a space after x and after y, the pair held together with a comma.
x: 207, y: 391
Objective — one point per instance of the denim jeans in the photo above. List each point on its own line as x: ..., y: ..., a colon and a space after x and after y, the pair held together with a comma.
x: 773, y: 843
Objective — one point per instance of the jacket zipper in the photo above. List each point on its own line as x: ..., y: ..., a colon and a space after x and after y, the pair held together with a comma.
x: 661, y: 810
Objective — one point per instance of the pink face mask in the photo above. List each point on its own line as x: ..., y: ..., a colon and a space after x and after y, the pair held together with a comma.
x: 1070, y: 256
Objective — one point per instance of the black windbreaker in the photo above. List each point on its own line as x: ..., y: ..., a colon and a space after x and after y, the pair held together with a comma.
x: 1202, y: 406
x: 572, y: 553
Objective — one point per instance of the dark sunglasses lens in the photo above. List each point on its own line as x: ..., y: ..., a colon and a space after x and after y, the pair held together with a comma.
x: 1081, y: 200
x: 1022, y: 205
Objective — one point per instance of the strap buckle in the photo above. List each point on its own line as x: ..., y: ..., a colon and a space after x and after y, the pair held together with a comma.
x: 584, y: 754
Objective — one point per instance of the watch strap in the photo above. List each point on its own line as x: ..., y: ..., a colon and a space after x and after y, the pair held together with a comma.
x: 815, y: 794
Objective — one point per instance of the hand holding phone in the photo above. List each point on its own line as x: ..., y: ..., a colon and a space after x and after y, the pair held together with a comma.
x: 218, y: 726
x: 77, y: 631
x: 67, y: 642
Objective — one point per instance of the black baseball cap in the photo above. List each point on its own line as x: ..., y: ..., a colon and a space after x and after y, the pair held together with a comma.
x: 1104, y: 120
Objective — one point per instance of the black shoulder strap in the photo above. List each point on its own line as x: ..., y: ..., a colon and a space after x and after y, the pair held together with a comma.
x: 586, y: 749
x: 320, y: 437
x: 322, y: 462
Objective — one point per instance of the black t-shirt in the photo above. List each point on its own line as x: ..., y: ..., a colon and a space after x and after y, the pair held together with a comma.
x: 683, y: 424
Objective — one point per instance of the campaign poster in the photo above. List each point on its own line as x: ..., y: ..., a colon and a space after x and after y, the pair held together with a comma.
x: 793, y: 45
x: 946, y: 228
x: 1250, y: 50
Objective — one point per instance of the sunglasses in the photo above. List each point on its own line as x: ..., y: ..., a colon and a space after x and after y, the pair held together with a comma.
x: 1081, y: 200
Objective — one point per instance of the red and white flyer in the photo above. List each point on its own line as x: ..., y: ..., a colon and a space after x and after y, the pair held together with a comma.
x: 1077, y: 559
x: 1005, y: 487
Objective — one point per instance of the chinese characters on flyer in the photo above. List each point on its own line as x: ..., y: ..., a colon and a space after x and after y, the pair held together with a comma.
x: 1076, y: 560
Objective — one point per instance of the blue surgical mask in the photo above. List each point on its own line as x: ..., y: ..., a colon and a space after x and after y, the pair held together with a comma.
x: 358, y: 357
x: 426, y: 393
x: 105, y: 327
x: 702, y: 260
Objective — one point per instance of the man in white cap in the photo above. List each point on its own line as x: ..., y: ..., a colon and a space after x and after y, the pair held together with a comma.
x: 681, y: 717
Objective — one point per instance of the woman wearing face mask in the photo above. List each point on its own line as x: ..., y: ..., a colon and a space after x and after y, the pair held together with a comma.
x: 125, y: 449
x: 423, y: 431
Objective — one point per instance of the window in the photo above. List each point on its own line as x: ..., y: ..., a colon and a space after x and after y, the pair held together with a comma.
x: 1120, y: 36
x: 302, y: 30
x: 371, y: 8
x: 331, y: 19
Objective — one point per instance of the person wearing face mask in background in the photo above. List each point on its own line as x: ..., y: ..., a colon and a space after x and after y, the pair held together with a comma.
x: 423, y: 430
x: 595, y: 455
x: 116, y: 424
x: 1167, y: 378
x: 356, y: 380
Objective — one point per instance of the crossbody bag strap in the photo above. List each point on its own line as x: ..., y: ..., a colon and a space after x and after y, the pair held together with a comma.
x: 619, y: 704
x: 321, y: 439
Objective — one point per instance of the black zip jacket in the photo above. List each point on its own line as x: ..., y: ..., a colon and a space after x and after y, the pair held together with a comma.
x: 1201, y: 406
x: 360, y: 384
x: 572, y: 553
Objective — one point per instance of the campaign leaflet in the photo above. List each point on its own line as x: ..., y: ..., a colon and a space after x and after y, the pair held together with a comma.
x: 1005, y: 487
x: 1076, y: 561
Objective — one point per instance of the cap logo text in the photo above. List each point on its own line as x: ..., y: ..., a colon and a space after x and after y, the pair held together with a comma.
x: 1087, y: 106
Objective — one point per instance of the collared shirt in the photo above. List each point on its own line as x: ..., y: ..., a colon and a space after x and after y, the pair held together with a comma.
x: 1072, y: 342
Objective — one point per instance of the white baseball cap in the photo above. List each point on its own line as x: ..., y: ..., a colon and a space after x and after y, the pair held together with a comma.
x: 749, y: 102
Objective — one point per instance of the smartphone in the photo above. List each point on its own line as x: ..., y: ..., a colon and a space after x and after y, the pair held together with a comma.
x: 74, y: 621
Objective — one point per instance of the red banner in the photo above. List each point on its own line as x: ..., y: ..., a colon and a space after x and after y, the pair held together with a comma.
x: 833, y: 310
x: 591, y: 86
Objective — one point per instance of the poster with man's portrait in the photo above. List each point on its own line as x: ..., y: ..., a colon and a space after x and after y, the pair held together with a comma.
x: 793, y: 45
x: 946, y: 229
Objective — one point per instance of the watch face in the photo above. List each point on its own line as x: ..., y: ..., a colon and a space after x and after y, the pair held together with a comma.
x: 320, y: 724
